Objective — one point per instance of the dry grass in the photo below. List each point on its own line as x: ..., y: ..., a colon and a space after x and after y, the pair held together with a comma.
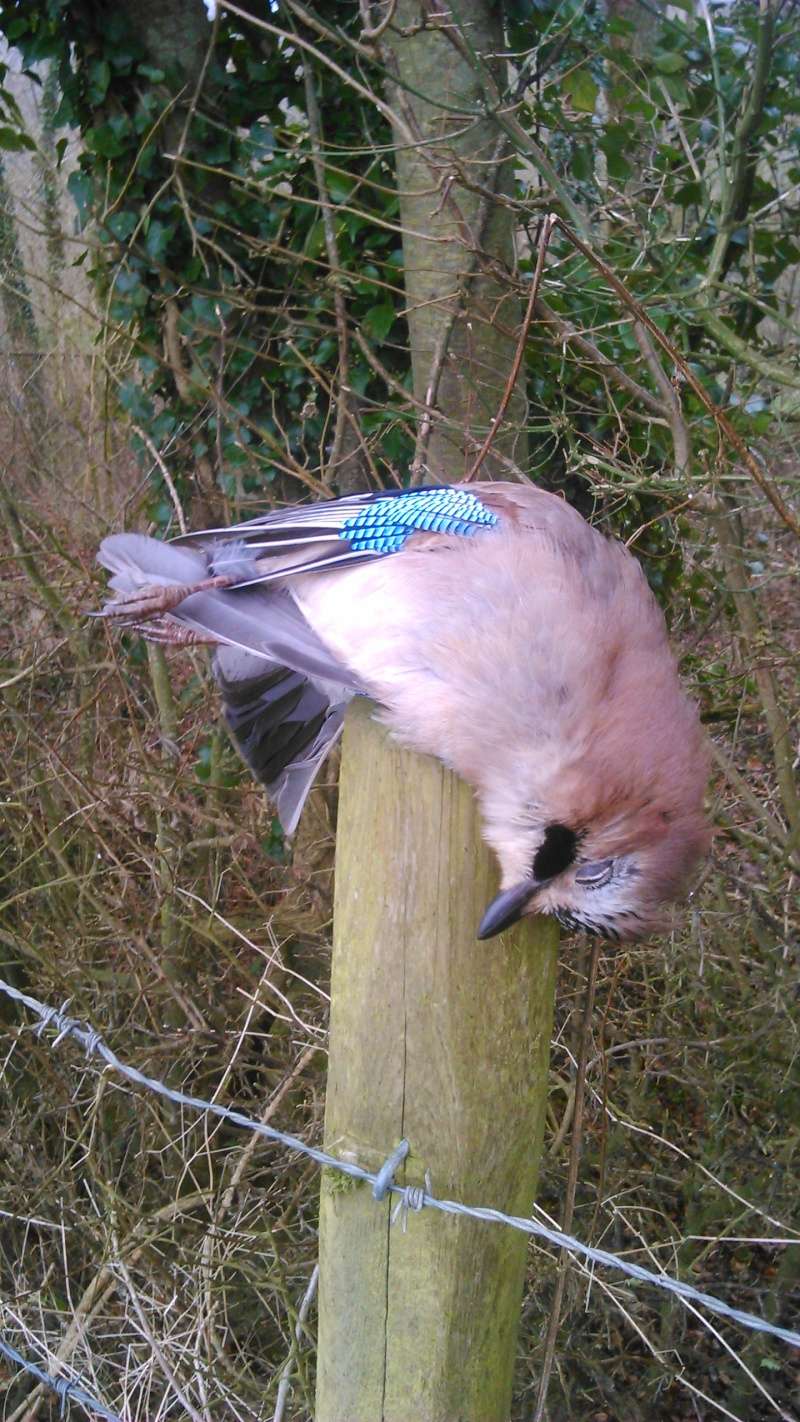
x: 138, y: 882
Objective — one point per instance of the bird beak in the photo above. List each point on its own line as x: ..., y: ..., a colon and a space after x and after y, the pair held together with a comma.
x: 507, y: 908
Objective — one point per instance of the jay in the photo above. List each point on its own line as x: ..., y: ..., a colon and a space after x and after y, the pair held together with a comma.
x: 498, y: 631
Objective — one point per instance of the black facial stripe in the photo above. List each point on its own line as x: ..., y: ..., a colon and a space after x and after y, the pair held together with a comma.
x: 556, y: 853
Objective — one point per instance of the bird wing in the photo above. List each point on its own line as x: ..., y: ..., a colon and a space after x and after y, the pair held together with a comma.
x: 283, y: 724
x: 339, y: 534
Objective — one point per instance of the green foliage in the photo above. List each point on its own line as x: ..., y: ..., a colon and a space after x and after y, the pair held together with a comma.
x: 13, y: 135
x: 14, y: 290
x: 682, y: 164
x: 228, y: 238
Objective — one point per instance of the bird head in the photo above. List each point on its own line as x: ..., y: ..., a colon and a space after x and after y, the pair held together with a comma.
x: 612, y: 843
x: 622, y: 894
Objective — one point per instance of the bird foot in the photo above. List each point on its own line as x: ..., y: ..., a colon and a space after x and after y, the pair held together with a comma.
x: 154, y: 600
x: 166, y: 632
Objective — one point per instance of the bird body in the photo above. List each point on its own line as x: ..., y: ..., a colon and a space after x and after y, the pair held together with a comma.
x: 498, y: 632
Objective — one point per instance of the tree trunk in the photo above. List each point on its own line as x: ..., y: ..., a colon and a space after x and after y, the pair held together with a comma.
x: 463, y: 314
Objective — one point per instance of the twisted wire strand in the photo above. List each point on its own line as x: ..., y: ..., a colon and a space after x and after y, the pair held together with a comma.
x: 68, y: 1389
x: 411, y: 1197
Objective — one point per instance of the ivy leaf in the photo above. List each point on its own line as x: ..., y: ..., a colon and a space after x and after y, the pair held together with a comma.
x: 315, y: 241
x: 582, y: 162
x: 261, y: 141
x: 581, y: 90
x: 379, y: 320
x: 163, y: 426
x: 99, y: 80
x: 677, y: 89
x: 12, y: 140
x: 157, y: 239
x: 669, y: 62
x: 339, y: 187
x: 688, y: 195
x: 79, y: 186
x: 121, y: 224
x: 134, y: 400
x: 615, y: 144
x: 104, y: 141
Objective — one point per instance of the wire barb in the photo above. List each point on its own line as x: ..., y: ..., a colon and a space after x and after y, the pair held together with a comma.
x: 413, y: 1197
x: 64, y: 1388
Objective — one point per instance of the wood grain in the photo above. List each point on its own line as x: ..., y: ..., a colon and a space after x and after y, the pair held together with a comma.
x: 443, y: 1040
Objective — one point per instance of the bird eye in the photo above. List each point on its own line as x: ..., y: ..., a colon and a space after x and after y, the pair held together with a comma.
x: 593, y: 876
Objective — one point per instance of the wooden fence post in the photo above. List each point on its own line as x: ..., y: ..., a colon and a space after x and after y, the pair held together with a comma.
x: 443, y: 1040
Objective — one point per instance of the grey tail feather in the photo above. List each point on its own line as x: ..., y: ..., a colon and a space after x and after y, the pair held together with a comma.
x: 134, y: 560
x: 283, y: 724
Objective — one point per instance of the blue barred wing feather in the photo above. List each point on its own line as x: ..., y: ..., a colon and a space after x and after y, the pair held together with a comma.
x: 341, y: 533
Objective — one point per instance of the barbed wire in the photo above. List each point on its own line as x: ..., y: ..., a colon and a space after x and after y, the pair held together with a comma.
x: 410, y: 1197
x: 68, y: 1389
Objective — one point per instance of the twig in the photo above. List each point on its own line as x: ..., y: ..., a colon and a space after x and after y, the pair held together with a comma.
x: 722, y: 125
x: 165, y: 474
x: 747, y: 612
x: 332, y: 248
x: 733, y: 180
x: 346, y: 76
x: 544, y: 241
x: 567, y: 335
x: 432, y: 393
x: 765, y: 485
x: 349, y: 419
x: 743, y: 351
x: 121, y: 1269
x: 93, y: 1041
x: 286, y: 1374
x: 457, y: 306
x: 373, y: 32
x: 504, y: 118
x: 172, y: 349
x: 738, y: 783
x: 27, y: 560
x: 95, y: 1296
x: 46, y: 656
x: 672, y: 403
x: 336, y: 35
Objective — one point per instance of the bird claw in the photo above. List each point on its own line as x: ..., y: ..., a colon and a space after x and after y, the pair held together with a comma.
x: 152, y: 600
x: 166, y: 632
